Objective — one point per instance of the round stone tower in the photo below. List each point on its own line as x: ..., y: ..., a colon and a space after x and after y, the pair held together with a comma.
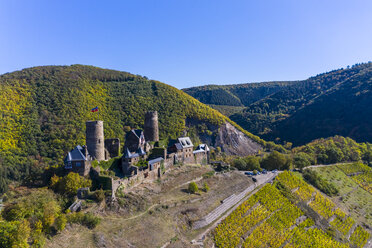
x: 95, y: 140
x: 151, y: 126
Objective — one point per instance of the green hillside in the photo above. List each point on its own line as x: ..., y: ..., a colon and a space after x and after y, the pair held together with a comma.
x: 43, y: 112
x: 334, y: 103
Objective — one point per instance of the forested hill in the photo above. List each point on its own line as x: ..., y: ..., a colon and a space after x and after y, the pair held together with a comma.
x: 334, y: 103
x: 43, y: 112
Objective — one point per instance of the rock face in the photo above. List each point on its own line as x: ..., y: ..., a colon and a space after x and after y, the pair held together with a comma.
x: 234, y: 142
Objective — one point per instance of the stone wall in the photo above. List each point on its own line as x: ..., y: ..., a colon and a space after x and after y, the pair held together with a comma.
x: 113, y: 147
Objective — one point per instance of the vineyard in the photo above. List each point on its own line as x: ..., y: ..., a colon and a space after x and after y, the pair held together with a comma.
x: 360, y: 173
x: 270, y: 219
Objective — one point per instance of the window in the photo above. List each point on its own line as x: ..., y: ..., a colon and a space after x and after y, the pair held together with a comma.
x: 77, y: 164
x: 68, y: 165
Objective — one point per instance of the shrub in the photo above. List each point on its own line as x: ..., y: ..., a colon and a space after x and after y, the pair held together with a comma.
x: 99, y: 195
x: 193, y: 188
x: 61, y: 222
x: 88, y: 219
x: 206, y: 187
x: 208, y: 174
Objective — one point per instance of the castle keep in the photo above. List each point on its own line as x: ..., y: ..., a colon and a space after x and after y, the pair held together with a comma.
x: 95, y: 140
x: 151, y: 126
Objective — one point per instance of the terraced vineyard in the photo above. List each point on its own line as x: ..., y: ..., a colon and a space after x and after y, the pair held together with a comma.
x: 272, y: 218
x: 360, y: 173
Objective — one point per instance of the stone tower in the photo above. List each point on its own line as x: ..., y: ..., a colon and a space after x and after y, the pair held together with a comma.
x: 151, y: 126
x: 95, y: 140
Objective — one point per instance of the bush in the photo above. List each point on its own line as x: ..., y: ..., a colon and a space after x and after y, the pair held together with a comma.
x: 208, y: 174
x: 193, y: 188
x: 88, y: 219
x: 206, y: 187
x: 61, y: 222
x: 99, y: 195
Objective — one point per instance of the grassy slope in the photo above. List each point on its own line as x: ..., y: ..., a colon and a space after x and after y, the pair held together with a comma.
x: 352, y: 198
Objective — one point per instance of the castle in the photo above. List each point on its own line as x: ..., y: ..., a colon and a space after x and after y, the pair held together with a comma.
x: 142, y: 155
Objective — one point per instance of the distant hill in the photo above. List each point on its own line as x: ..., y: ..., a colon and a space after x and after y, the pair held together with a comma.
x: 43, y: 112
x: 334, y: 103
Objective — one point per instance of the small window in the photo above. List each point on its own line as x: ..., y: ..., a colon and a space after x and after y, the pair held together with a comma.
x: 69, y: 165
x: 78, y: 164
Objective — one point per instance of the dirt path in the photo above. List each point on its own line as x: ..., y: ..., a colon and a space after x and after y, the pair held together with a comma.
x: 323, y: 165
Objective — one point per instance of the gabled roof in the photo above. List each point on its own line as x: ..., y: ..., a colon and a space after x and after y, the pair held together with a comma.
x: 137, y: 132
x: 203, y: 147
x: 140, y: 151
x: 128, y: 154
x: 76, y: 154
x: 153, y: 161
x: 178, y: 146
x: 185, y: 142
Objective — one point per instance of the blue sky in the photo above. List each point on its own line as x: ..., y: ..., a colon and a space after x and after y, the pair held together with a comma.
x: 189, y: 42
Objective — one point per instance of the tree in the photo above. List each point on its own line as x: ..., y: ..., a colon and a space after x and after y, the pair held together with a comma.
x: 252, y: 163
x: 276, y: 160
x: 14, y: 233
x: 72, y: 182
x: 240, y: 164
x: 193, y: 188
x: 334, y: 154
x: 301, y: 160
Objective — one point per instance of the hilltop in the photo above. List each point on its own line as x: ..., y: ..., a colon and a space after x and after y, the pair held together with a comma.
x: 333, y: 103
x: 44, y: 110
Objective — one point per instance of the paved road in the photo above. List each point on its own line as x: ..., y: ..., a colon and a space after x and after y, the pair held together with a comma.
x: 231, y: 204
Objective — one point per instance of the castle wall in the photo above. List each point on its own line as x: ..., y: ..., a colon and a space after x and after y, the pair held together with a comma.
x: 151, y: 129
x: 113, y: 147
x: 95, y: 139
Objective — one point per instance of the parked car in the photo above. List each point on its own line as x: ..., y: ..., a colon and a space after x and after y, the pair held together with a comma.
x: 248, y: 173
x: 254, y: 179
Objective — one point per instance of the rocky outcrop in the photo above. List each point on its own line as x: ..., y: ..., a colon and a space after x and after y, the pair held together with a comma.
x: 229, y: 138
x: 234, y: 142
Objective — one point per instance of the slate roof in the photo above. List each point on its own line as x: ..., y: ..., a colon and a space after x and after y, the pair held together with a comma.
x: 203, y: 147
x: 178, y: 146
x: 128, y: 154
x: 138, y: 132
x: 153, y: 161
x: 76, y: 154
x: 185, y: 142
x: 140, y: 151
